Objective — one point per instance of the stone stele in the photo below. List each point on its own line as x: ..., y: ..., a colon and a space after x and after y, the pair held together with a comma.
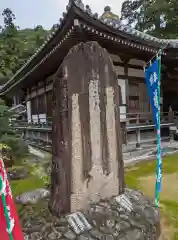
x: 87, y: 152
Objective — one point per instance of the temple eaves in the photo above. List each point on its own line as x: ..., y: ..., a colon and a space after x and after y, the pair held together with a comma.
x: 113, y: 21
x: 108, y: 19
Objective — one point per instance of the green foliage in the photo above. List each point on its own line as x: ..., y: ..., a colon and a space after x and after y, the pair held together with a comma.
x: 4, y: 119
x: 16, y: 45
x: 18, y: 147
x: 156, y: 17
x: 26, y: 185
x: 7, y: 135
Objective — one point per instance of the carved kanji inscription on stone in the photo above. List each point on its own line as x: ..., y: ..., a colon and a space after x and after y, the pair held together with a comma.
x: 86, y: 130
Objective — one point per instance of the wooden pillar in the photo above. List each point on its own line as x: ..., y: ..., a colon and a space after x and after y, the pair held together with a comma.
x: 126, y: 82
x: 127, y: 97
x: 14, y: 100
x: 37, y: 104
x: 45, y: 101
x: 28, y: 106
x: 138, y: 139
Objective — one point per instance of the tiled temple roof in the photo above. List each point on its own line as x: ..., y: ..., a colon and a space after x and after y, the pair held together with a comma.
x: 108, y: 19
x: 112, y: 22
x: 115, y: 23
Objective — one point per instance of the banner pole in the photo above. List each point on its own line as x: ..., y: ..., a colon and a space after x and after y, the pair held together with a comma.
x: 158, y: 136
x: 153, y: 82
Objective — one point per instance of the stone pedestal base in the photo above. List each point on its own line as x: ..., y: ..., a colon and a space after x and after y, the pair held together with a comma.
x: 106, y: 220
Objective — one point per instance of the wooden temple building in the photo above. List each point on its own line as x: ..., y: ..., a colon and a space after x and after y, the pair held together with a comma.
x: 31, y: 87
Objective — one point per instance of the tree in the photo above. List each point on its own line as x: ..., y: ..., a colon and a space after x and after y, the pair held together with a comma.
x: 8, y: 135
x: 40, y: 35
x: 129, y: 11
x: 156, y: 17
x: 4, y: 119
x: 16, y: 45
x: 9, y: 45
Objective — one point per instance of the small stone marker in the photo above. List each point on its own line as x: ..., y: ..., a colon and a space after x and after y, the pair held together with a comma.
x: 124, y: 201
x: 78, y: 222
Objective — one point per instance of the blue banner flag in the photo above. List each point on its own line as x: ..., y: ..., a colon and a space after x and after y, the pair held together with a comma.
x: 152, y: 75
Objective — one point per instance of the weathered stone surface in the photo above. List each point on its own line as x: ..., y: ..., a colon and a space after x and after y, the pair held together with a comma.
x: 33, y: 197
x: 108, y: 220
x: 87, y: 161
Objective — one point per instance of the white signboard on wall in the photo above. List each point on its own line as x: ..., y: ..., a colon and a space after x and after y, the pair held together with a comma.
x: 122, y: 113
x: 35, y: 119
x: 42, y: 118
x: 122, y: 85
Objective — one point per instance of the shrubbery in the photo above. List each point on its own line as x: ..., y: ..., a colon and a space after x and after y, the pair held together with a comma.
x: 17, y: 145
x: 12, y: 146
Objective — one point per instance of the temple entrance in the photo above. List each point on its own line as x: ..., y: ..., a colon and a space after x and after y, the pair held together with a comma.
x: 87, y: 160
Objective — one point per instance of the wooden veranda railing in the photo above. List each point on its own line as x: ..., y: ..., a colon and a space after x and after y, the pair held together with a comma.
x: 127, y: 118
x: 146, y: 117
x: 131, y: 123
x: 137, y: 123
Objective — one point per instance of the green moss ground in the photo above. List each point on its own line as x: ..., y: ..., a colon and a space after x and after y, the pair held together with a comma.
x: 169, y: 208
x: 25, y: 185
x: 133, y: 175
x: 28, y: 184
